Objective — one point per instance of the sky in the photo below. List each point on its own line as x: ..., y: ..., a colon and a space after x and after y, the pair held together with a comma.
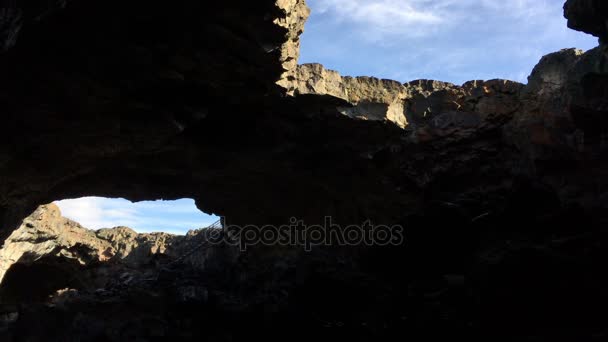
x: 176, y: 217
x: 447, y: 40
x: 404, y: 40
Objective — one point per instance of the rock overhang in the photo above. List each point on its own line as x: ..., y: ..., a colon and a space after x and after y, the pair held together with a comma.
x: 500, y: 186
x: 148, y: 101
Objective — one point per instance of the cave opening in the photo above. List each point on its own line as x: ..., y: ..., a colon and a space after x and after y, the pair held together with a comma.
x: 503, y: 206
x: 91, y: 242
x: 168, y: 216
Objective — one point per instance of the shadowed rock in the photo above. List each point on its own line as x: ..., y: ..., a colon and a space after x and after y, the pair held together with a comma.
x: 46, y: 235
x: 501, y: 186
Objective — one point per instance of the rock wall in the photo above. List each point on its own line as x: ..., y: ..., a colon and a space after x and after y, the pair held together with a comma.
x: 47, y: 235
x: 410, y: 104
x: 501, y: 186
x: 126, y: 107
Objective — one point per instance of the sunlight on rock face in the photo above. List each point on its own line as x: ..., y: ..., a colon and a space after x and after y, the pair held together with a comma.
x: 175, y: 217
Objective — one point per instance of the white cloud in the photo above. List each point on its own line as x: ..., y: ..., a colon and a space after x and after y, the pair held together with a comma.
x: 169, y: 216
x: 177, y: 207
x: 450, y: 40
x: 86, y: 211
x: 381, y: 19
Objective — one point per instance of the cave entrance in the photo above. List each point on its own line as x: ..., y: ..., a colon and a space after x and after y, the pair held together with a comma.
x: 174, y: 217
x: 63, y: 246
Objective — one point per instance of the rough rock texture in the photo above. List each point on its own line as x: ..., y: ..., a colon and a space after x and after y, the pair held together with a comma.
x: 368, y: 98
x: 185, y: 108
x: 501, y: 187
x: 414, y: 103
x: 47, y: 235
x: 217, y: 128
x: 296, y: 13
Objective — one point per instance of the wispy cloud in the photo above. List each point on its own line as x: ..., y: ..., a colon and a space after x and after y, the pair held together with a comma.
x: 168, y: 216
x: 381, y: 17
x: 417, y: 18
x: 451, y: 40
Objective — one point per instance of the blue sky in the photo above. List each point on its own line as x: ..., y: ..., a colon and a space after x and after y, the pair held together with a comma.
x: 404, y: 40
x: 175, y: 217
x: 447, y: 40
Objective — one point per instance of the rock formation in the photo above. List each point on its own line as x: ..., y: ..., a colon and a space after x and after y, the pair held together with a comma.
x: 47, y: 235
x: 588, y: 16
x: 216, y: 122
x: 501, y: 186
x: 368, y: 98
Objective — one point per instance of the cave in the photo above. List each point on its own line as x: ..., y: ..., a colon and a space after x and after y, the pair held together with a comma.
x: 500, y: 187
x: 174, y: 217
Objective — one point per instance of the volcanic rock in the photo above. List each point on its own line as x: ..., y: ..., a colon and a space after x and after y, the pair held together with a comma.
x: 498, y: 183
x: 46, y: 235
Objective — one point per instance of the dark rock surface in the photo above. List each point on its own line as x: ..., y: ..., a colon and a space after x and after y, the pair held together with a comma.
x: 588, y: 16
x: 46, y: 235
x: 501, y: 187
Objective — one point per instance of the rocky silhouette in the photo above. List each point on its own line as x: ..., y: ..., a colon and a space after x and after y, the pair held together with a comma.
x: 501, y: 187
